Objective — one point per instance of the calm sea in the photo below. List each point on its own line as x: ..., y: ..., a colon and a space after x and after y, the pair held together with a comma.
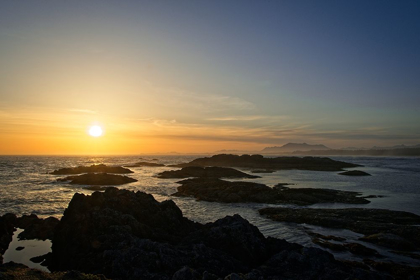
x: 26, y: 187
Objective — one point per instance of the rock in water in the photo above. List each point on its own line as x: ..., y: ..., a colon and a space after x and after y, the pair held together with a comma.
x: 95, y: 168
x: 354, y: 173
x: 98, y: 179
x: 278, y: 163
x: 205, y: 172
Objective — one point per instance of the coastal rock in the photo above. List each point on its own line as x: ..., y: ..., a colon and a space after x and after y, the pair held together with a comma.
x: 354, y: 173
x: 11, y: 271
x: 7, y: 227
x: 145, y: 163
x: 204, y: 172
x: 98, y: 179
x: 36, y: 228
x: 392, y: 229
x: 278, y: 163
x: 95, y: 168
x: 210, y: 189
x: 128, y: 235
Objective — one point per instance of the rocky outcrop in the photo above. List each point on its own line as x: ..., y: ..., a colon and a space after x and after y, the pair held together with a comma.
x: 354, y: 173
x: 128, y: 235
x: 204, y: 172
x: 144, y: 163
x: 95, y: 168
x: 12, y: 271
x: 392, y: 229
x: 210, y: 189
x: 278, y: 163
x: 98, y: 179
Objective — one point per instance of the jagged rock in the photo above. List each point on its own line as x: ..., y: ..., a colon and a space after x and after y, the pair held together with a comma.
x: 393, y: 229
x: 144, y: 163
x: 210, y: 189
x: 98, y: 179
x: 95, y: 168
x: 278, y: 163
x: 12, y: 271
x: 204, y: 172
x: 354, y: 173
x: 7, y: 227
x: 128, y: 235
x: 36, y: 228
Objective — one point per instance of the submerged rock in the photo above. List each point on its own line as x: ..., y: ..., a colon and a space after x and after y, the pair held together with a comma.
x: 354, y: 173
x: 392, y: 229
x: 204, y: 172
x: 278, y: 163
x: 128, y: 235
x: 95, y: 168
x: 210, y: 189
x: 98, y: 179
x: 145, y: 163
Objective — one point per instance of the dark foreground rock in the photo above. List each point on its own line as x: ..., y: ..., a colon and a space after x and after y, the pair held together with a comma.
x: 128, y: 235
x: 95, y: 168
x: 278, y: 163
x: 145, y: 163
x: 204, y: 172
x: 98, y: 179
x: 210, y: 189
x: 354, y: 173
x: 393, y: 229
x: 12, y: 271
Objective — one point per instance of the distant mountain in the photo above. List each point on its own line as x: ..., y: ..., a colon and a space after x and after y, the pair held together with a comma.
x: 412, y: 151
x: 292, y: 147
x: 395, y: 147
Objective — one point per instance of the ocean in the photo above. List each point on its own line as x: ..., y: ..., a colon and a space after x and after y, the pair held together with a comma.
x: 26, y: 187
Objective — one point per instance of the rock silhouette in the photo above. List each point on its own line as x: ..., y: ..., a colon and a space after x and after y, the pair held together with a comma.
x: 98, y: 179
x: 95, y: 168
x: 205, y: 172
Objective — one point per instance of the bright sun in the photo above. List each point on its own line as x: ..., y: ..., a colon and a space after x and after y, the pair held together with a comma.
x: 95, y: 131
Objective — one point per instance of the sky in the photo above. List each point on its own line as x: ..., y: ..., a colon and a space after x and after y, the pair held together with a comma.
x: 202, y: 76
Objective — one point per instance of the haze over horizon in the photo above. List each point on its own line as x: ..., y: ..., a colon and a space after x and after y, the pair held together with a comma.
x: 201, y: 76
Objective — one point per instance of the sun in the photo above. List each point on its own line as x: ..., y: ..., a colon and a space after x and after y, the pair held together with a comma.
x: 95, y: 131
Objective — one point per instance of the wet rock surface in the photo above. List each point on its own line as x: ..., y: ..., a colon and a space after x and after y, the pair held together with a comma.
x: 128, y: 235
x: 278, y: 163
x: 98, y: 179
x: 354, y: 173
x: 210, y: 189
x: 392, y: 229
x: 95, y: 168
x: 144, y: 163
x: 204, y: 172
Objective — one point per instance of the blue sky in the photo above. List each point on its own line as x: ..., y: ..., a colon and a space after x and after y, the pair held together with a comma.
x: 250, y: 73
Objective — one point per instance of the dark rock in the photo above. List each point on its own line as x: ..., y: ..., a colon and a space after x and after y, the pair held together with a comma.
x: 38, y: 259
x: 393, y: 229
x: 128, y: 235
x: 354, y: 173
x: 407, y: 254
x: 204, y: 172
x: 36, y: 228
x: 11, y: 271
x: 145, y: 163
x: 263, y: 171
x: 98, y: 179
x: 210, y: 189
x: 186, y: 273
x: 325, y: 237
x: 95, y: 168
x: 397, y: 271
x: 96, y: 188
x: 7, y: 227
x: 20, y: 248
x: 278, y: 163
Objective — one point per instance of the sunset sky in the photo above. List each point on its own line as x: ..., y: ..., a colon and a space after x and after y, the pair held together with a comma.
x: 201, y: 76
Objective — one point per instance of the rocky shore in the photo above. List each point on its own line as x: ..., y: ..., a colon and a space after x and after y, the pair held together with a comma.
x: 204, y: 172
x: 211, y: 189
x: 145, y: 163
x: 97, y: 179
x: 392, y: 229
x: 95, y: 168
x: 278, y: 163
x: 127, y: 235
